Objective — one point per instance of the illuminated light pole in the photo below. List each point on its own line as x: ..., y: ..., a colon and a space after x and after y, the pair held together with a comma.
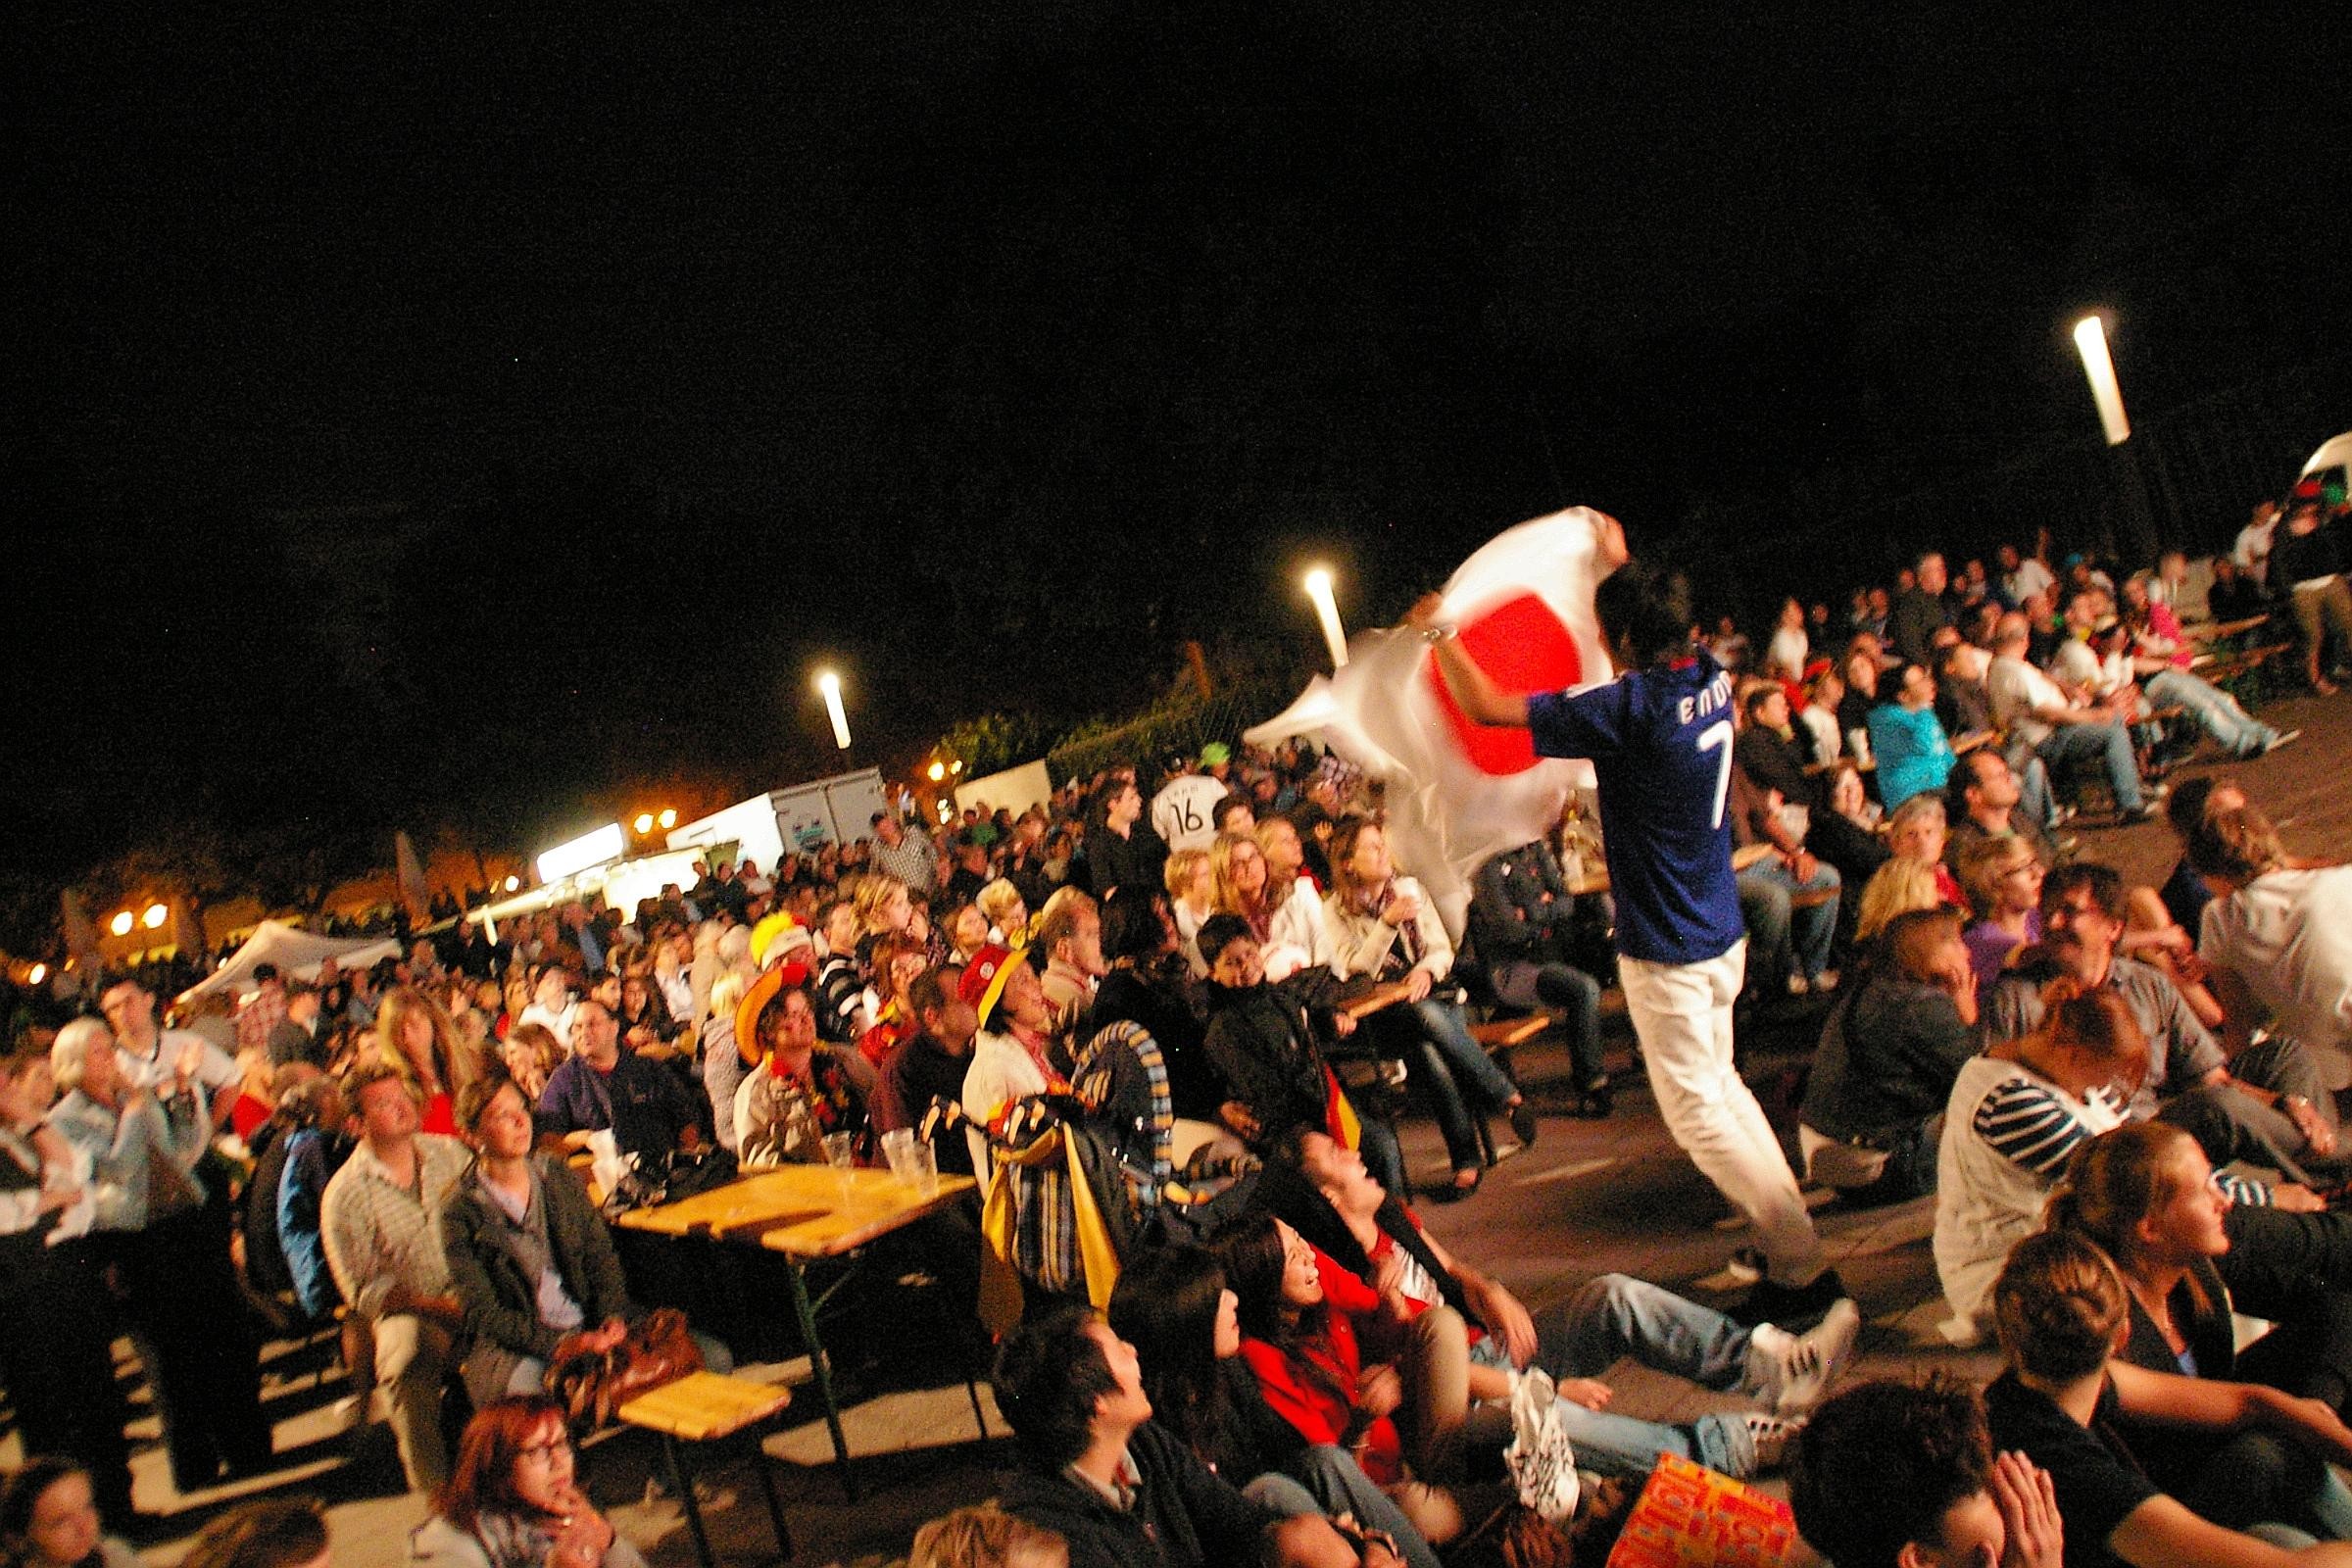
x: 154, y: 916
x: 2090, y: 341
x: 669, y: 818
x: 645, y: 822
x: 40, y: 972
x: 939, y: 770
x: 830, y: 684
x: 121, y: 923
x: 1327, y: 611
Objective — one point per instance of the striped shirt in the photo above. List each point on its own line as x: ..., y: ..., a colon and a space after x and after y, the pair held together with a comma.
x: 379, y: 1234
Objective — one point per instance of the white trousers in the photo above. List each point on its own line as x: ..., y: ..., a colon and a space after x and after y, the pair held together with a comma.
x: 1681, y: 1014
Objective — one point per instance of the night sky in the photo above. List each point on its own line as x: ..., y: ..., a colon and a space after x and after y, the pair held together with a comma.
x: 437, y: 414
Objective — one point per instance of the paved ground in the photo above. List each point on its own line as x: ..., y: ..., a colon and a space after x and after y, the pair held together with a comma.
x: 1594, y: 1195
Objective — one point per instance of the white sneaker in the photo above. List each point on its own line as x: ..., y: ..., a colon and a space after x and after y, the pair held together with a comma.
x: 1771, y: 1435
x: 1792, y: 1372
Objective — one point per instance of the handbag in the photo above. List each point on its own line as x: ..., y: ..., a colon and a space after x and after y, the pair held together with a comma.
x: 591, y: 1384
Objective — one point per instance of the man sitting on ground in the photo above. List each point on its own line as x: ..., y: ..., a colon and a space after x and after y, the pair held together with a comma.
x: 1100, y: 1472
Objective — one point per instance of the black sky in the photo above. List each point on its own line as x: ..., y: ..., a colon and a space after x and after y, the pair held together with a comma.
x: 641, y: 355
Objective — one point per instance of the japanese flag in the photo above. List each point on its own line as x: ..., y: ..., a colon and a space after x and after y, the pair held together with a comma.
x: 1458, y: 792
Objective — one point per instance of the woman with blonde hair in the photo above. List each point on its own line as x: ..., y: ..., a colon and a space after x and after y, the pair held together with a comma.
x: 2063, y: 1313
x: 985, y: 1536
x: 415, y: 1035
x: 2002, y: 878
x: 1007, y: 916
x: 1896, y: 888
x: 1381, y: 925
x: 1192, y: 885
x: 529, y: 1053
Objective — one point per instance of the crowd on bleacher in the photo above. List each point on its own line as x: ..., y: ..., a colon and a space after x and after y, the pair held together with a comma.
x: 1210, y: 978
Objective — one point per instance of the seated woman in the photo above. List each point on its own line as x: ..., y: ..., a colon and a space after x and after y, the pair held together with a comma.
x: 2145, y: 1193
x: 898, y: 961
x: 644, y: 1017
x: 2062, y: 1314
x: 2016, y: 1115
x: 2002, y: 878
x: 1174, y: 1307
x: 799, y: 1094
x: 1007, y: 916
x: 1379, y: 925
x: 512, y: 1501
x: 414, y: 1033
x: 1892, y: 1048
x: 1191, y: 899
x: 1895, y: 888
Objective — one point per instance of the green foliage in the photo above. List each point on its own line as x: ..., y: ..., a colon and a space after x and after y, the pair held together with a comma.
x: 994, y: 742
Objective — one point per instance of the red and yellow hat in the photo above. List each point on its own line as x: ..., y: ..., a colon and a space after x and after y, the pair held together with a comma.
x: 985, y: 976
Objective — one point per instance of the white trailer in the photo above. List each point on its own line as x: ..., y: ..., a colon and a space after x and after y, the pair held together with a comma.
x: 798, y: 817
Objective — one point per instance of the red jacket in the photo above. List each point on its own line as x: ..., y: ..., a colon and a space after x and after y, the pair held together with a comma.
x: 1302, y: 1398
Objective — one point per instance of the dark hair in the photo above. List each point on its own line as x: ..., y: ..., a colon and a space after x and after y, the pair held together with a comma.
x: 1255, y: 1263
x: 481, y: 1479
x: 934, y: 987
x: 2184, y: 808
x: 273, y: 1533
x: 771, y: 1014
x: 1648, y: 607
x: 1048, y: 1376
x: 1131, y: 924
x: 474, y: 1099
x: 21, y: 1494
x: 1225, y: 807
x: 1166, y: 1307
x: 1217, y: 933
x: 1878, y: 1467
x: 2106, y: 887
x: 2239, y: 844
x: 264, y: 972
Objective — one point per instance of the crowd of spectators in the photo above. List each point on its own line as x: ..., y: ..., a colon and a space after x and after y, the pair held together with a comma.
x: 404, y: 1146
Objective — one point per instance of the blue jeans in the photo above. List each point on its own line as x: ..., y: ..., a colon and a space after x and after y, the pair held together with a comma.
x: 2107, y: 746
x: 1811, y: 930
x: 1451, y: 1061
x: 1326, y: 1480
x: 2216, y: 711
x: 1614, y: 1316
x: 1576, y: 997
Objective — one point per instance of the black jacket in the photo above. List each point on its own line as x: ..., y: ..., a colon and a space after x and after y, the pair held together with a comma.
x: 1184, y: 1515
x: 1262, y: 1042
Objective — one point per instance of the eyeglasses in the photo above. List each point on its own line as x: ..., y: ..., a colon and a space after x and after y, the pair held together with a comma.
x: 544, y: 1452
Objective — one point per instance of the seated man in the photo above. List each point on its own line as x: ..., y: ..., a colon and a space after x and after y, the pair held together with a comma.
x: 1907, y: 738
x: 2259, y: 1106
x: 1519, y: 912
x: 377, y: 1218
x: 1983, y: 799
x: 1902, y: 1475
x: 2029, y: 705
x: 1388, y: 1265
x: 930, y: 1064
x: 1789, y: 935
x: 1262, y: 1040
x: 604, y: 1084
x: 1891, y: 1050
x: 1122, y: 1491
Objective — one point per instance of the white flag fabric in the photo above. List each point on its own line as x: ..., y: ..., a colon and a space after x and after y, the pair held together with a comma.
x: 1457, y: 792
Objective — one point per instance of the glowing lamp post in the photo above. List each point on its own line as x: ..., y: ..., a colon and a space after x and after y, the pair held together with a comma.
x: 1327, y: 611
x: 830, y: 684
x: 2090, y: 341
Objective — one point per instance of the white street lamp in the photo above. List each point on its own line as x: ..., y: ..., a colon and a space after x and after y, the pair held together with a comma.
x: 2090, y: 341
x: 830, y: 684
x: 1327, y: 611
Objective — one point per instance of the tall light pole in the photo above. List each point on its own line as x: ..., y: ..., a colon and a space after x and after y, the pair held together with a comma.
x: 1327, y: 611
x: 830, y: 684
x: 2090, y: 341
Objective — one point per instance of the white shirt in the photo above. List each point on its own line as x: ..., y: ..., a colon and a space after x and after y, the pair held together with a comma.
x: 1001, y: 1073
x: 2288, y: 936
x: 1986, y: 1202
x: 1297, y: 937
x: 2253, y: 550
x: 558, y: 1024
x: 2029, y: 578
x: 216, y: 1071
x: 2018, y: 690
x: 1180, y: 811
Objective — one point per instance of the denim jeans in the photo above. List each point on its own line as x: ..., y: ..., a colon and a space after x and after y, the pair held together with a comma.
x: 1810, y: 930
x: 1326, y: 1480
x: 2215, y: 709
x: 2108, y: 745
x: 1576, y: 997
x: 1452, y: 1062
x: 1615, y: 1316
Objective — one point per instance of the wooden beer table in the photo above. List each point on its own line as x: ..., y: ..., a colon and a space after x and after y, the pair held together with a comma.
x: 805, y: 1214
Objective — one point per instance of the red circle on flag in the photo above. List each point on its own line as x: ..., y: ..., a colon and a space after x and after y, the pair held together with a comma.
x: 1523, y: 649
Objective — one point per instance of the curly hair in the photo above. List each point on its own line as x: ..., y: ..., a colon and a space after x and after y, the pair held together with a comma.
x: 1879, y: 1466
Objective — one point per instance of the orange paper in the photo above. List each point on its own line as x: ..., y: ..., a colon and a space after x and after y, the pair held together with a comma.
x: 1690, y: 1517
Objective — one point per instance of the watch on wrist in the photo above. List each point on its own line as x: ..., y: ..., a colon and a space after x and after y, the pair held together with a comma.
x: 1442, y: 632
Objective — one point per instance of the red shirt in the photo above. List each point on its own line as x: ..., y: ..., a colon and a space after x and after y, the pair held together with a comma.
x: 1294, y: 1383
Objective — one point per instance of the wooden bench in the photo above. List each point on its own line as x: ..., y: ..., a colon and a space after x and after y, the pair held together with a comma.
x: 712, y: 1407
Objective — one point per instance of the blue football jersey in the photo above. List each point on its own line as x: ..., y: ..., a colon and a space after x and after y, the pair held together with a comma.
x: 1660, y: 740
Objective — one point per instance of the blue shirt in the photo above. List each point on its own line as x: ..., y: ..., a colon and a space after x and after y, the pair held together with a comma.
x: 1660, y: 740
x: 1912, y: 753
